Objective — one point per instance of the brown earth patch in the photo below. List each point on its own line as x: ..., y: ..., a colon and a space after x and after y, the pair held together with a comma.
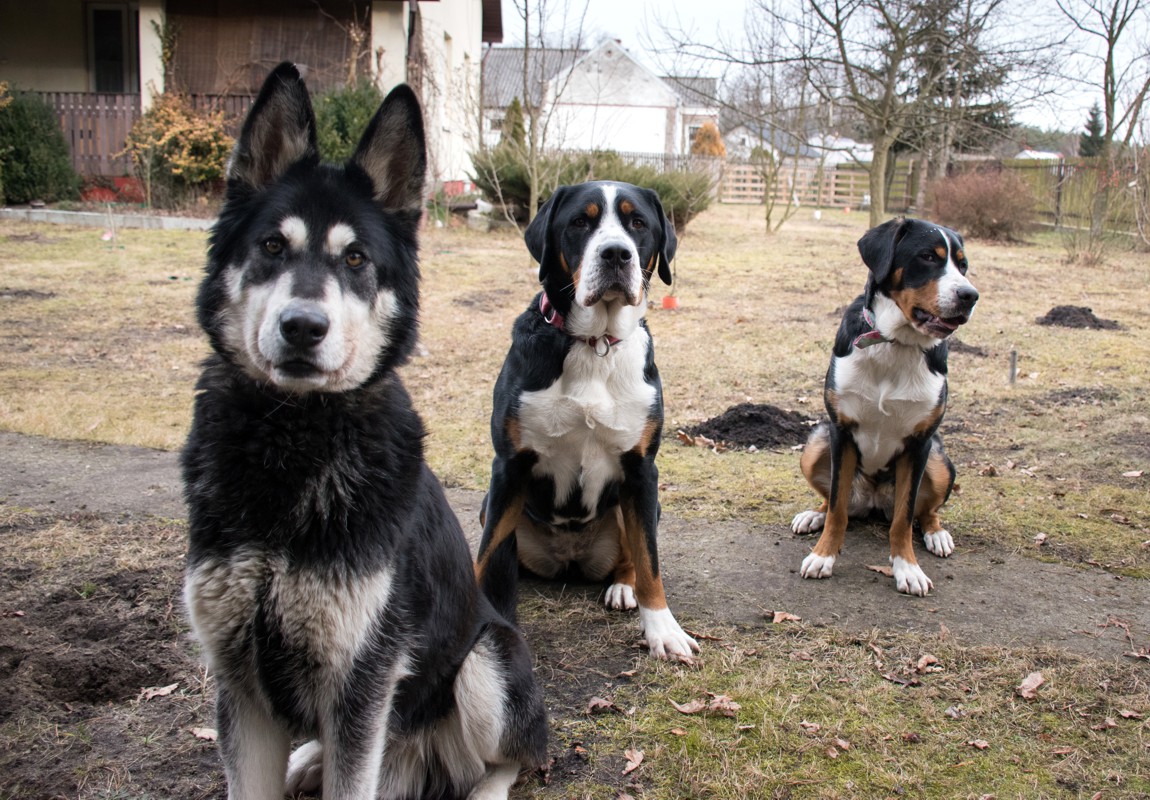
x: 755, y: 425
x: 1076, y: 317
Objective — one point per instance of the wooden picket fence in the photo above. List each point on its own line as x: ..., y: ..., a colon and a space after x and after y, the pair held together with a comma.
x: 96, y: 125
x: 809, y: 184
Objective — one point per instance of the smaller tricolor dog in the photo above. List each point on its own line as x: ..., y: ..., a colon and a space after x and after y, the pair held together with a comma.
x: 578, y: 411
x: 885, y: 393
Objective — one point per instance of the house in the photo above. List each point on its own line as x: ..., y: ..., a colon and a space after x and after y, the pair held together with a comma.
x: 744, y: 138
x: 597, y: 99
x: 101, y: 63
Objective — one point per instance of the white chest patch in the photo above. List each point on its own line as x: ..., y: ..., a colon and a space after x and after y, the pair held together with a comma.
x: 888, y: 390
x: 582, y: 423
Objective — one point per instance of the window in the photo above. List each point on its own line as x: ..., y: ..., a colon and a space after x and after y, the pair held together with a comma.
x: 112, y: 47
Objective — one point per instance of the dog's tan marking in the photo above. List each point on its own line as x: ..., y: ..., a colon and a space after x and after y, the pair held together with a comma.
x: 514, y: 433
x: 932, y: 494
x: 592, y: 210
x: 924, y: 297
x: 901, y: 531
x: 648, y: 585
x: 646, y: 437
x: 940, y: 251
x: 959, y: 256
x: 504, y: 527
x: 930, y: 420
x: 627, y: 207
x: 830, y: 543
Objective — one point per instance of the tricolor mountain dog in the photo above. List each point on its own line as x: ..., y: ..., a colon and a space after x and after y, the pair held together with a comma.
x: 328, y: 581
x: 578, y: 411
x: 885, y: 394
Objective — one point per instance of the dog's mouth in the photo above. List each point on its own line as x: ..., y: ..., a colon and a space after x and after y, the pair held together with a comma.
x: 939, y: 327
x: 298, y: 368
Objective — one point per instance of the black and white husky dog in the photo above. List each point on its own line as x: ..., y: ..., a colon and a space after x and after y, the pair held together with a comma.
x: 328, y: 581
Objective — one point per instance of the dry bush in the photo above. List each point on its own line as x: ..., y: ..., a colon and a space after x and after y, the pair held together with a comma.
x: 984, y: 205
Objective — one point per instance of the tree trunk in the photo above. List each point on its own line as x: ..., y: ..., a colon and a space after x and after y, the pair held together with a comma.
x: 878, y: 180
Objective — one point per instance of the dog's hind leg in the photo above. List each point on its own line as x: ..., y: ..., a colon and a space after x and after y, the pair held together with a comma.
x: 497, y: 562
x: 253, y: 745
x: 621, y: 592
x: 937, y: 481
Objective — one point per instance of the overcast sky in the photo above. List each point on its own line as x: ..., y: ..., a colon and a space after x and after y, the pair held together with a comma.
x: 639, y: 25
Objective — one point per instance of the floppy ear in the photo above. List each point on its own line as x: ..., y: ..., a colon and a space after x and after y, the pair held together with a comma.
x: 538, y: 233
x: 877, y: 247
x: 278, y: 132
x: 667, y: 239
x: 393, y: 152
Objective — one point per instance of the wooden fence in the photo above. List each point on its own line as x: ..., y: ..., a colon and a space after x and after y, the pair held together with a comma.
x: 810, y: 183
x: 96, y: 125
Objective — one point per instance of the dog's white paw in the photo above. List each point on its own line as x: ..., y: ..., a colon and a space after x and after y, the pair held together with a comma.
x: 940, y: 543
x: 664, y: 637
x: 909, y: 578
x: 808, y: 521
x: 816, y: 566
x: 620, y: 596
x: 305, y: 769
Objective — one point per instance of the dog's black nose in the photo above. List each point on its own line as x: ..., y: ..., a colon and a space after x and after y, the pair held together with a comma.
x: 304, y: 327
x: 967, y: 296
x: 615, y: 255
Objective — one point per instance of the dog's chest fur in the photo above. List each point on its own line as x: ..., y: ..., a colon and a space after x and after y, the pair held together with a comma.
x: 888, y: 390
x: 581, y: 424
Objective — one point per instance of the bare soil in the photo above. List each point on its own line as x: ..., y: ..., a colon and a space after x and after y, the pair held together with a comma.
x: 755, y: 425
x: 1076, y: 317
x: 84, y: 632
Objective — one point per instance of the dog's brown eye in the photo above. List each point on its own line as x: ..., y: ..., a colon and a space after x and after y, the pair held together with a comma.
x: 638, y: 224
x: 355, y: 259
x: 579, y: 222
x: 273, y: 247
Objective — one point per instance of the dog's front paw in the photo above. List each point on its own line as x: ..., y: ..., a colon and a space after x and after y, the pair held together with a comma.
x: 909, y: 578
x: 816, y: 566
x: 305, y: 769
x: 620, y: 596
x: 664, y: 637
x: 808, y: 521
x: 940, y: 543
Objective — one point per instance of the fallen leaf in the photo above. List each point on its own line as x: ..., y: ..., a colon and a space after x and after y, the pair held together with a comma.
x: 1029, y: 687
x: 678, y: 732
x: 157, y: 691
x: 1062, y: 751
x: 979, y: 744
x: 1128, y: 713
x: 1040, y: 539
x: 634, y: 759
x: 599, y: 705
x: 842, y: 744
x: 722, y: 704
x: 911, y: 738
x: 901, y: 681
x: 989, y: 471
x: 783, y: 616
x: 810, y: 727
x: 927, y: 663
x: 207, y: 734
x: 693, y: 707
x: 955, y: 712
x: 1143, y: 654
x: 1134, y: 473
x: 802, y: 655
x: 882, y: 570
x: 581, y: 751
x: 832, y: 753
x: 1104, y: 725
x: 627, y: 673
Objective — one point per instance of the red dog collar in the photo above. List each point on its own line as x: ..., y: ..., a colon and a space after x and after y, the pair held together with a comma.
x: 600, y: 344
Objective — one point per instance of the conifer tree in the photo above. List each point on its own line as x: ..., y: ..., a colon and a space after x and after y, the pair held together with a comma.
x: 1092, y: 142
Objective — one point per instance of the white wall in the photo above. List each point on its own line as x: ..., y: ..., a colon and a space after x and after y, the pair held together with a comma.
x: 625, y: 129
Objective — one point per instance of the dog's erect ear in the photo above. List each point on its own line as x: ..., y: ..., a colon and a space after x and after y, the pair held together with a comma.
x: 278, y: 132
x: 393, y: 151
x: 667, y: 239
x: 538, y: 233
x: 877, y: 247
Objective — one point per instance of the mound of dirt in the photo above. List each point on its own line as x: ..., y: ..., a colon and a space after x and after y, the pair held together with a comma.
x: 755, y: 425
x: 1076, y: 317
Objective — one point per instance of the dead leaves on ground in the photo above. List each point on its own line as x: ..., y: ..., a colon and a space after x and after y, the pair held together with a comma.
x: 701, y: 441
x: 719, y: 704
x: 1028, y: 689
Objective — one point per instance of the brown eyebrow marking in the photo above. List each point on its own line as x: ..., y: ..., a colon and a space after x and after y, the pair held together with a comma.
x: 959, y: 256
x: 627, y: 207
x: 592, y: 210
x: 941, y: 252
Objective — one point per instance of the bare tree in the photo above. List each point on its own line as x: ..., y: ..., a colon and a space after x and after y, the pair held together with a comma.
x: 1116, y: 36
x: 882, y: 61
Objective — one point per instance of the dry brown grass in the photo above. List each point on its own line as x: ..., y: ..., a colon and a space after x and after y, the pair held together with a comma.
x: 111, y: 354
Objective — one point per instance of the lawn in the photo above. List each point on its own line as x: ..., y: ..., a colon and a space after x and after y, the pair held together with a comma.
x: 100, y: 343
